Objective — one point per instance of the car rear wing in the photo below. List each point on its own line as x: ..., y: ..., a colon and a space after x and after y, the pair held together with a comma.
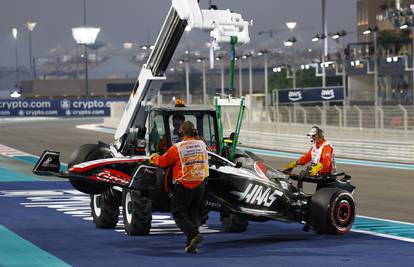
x: 48, y: 164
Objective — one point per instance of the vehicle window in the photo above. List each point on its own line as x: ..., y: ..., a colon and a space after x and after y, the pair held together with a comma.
x: 208, y: 131
x: 157, y: 139
x: 176, y: 121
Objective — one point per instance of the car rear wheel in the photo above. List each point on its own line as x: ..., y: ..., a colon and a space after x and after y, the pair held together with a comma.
x: 332, y: 211
x: 137, y: 212
x: 88, y: 152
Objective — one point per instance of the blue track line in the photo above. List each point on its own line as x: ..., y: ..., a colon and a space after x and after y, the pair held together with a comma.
x: 7, y: 175
x: 16, y: 251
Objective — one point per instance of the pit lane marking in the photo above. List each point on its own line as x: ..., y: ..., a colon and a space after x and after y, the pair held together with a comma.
x: 77, y: 204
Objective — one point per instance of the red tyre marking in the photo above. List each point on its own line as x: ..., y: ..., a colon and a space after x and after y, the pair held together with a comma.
x: 340, y: 230
x: 340, y: 209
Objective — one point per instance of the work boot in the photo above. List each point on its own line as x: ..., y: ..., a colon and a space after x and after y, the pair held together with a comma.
x: 192, y: 247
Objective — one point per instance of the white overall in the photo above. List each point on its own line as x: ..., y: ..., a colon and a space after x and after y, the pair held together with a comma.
x: 317, y: 153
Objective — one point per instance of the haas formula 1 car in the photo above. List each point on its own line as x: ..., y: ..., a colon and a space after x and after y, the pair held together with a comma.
x: 241, y: 191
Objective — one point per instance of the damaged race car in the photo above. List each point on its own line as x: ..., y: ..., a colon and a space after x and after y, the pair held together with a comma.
x: 247, y: 190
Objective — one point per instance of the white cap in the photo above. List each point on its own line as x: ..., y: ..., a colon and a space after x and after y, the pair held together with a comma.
x: 313, y: 131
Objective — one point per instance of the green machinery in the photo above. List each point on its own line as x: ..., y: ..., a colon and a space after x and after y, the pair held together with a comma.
x: 230, y: 101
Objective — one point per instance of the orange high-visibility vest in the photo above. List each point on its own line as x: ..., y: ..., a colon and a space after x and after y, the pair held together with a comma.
x: 189, y: 159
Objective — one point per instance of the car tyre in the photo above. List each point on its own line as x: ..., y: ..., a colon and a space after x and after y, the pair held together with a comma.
x: 137, y: 212
x: 105, y: 209
x: 331, y: 211
x: 88, y: 152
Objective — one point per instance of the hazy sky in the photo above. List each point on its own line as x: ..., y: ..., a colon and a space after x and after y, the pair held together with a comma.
x: 127, y: 20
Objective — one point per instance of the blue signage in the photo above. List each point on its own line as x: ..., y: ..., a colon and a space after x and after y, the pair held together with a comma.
x: 61, y: 108
x: 311, y: 95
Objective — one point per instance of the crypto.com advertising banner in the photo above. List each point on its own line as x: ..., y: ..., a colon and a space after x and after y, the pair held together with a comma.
x: 311, y: 95
x: 62, y: 108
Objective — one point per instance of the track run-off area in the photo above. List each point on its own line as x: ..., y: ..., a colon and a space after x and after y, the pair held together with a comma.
x: 45, y: 222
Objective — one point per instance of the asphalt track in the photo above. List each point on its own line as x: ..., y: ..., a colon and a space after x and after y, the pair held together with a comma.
x: 44, y: 222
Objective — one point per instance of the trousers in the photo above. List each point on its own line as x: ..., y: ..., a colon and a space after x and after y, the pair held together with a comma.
x: 185, y: 208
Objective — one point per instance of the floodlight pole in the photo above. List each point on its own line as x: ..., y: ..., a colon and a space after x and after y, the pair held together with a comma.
x: 14, y: 33
x: 412, y: 60
x: 266, y: 74
x: 204, y: 83
x: 324, y: 54
x: 222, y: 76
x: 86, y: 53
x: 187, y: 81
x: 325, y: 42
x: 250, y: 87
x: 376, y: 102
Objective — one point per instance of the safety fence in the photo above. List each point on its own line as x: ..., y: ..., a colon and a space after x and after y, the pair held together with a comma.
x: 362, y: 117
x: 392, y: 141
x: 265, y: 135
x: 284, y: 128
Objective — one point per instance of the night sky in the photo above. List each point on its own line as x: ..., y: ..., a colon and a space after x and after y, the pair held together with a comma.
x: 128, y: 20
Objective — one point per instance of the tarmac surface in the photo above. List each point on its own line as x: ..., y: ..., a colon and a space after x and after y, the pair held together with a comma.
x: 45, y: 222
x: 380, y: 192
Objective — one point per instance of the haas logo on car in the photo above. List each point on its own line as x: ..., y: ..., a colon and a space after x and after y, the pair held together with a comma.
x: 258, y: 195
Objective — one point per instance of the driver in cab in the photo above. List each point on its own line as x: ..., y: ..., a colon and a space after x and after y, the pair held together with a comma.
x: 320, y: 155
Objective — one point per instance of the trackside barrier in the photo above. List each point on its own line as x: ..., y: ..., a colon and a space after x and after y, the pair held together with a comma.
x: 292, y: 138
x: 57, y: 107
x: 117, y: 108
x: 391, y: 145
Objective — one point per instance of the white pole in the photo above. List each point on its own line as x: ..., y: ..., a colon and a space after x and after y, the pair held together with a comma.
x: 240, y: 78
x: 222, y: 77
x: 187, y: 82
x: 250, y: 88
x: 376, y: 79
x: 294, y: 77
x: 266, y: 83
x: 412, y: 58
x: 204, y: 84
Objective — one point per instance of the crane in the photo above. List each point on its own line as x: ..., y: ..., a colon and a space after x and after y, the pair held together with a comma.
x: 224, y: 27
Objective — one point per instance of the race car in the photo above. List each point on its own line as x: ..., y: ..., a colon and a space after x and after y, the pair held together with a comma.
x: 247, y: 190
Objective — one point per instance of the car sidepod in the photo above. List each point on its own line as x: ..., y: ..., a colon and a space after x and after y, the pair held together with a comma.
x: 238, y: 190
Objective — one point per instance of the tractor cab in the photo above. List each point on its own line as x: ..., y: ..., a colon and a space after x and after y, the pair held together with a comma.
x: 162, y: 129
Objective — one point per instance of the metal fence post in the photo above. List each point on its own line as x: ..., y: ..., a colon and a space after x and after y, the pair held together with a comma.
x: 289, y: 114
x: 339, y: 115
x: 322, y: 114
x: 359, y: 117
x: 381, y: 118
x: 295, y: 119
x: 305, y: 115
x: 405, y: 116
